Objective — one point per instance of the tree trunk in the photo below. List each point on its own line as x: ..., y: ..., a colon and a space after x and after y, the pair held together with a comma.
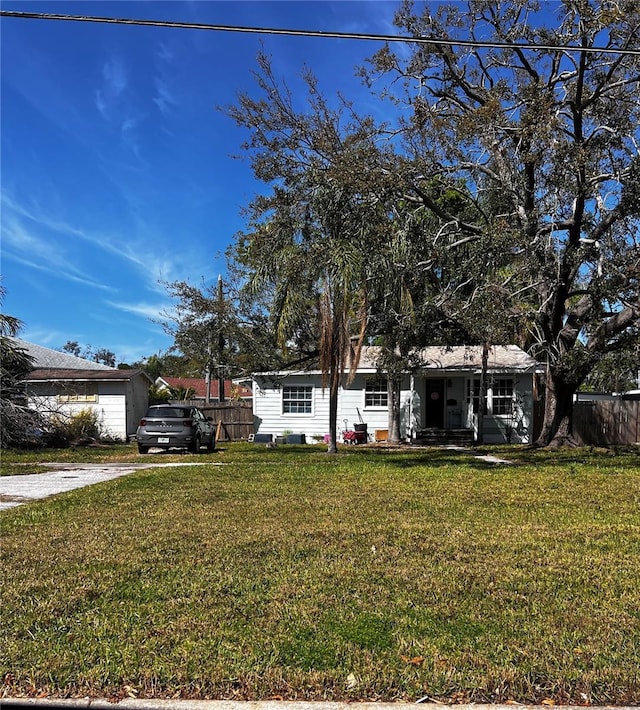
x: 482, y: 397
x: 334, y: 382
x: 557, y: 426
x: 393, y: 395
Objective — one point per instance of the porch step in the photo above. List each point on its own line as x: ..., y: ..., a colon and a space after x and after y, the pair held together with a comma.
x: 444, y: 437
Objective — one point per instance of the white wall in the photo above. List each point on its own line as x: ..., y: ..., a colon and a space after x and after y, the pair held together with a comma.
x: 110, y: 407
x: 352, y: 407
x: 267, y: 408
x: 269, y: 419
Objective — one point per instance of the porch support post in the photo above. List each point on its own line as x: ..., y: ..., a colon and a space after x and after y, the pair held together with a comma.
x: 412, y: 394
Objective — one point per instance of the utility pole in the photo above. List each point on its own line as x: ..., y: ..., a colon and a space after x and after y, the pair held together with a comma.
x: 207, y: 376
x: 221, y: 369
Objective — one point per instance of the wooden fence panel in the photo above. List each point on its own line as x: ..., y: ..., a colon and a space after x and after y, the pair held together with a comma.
x: 234, y: 420
x: 607, y: 422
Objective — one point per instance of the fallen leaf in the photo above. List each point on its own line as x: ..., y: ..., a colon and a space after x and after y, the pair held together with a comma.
x: 130, y: 692
x: 352, y: 681
x: 415, y: 661
x: 548, y: 701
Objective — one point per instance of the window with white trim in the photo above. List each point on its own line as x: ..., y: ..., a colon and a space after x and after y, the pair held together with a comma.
x: 502, y: 395
x: 499, y: 395
x: 376, y: 393
x: 297, y: 399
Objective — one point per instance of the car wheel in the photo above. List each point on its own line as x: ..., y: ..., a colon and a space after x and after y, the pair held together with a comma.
x: 143, y: 449
x: 211, y: 446
x: 195, y: 447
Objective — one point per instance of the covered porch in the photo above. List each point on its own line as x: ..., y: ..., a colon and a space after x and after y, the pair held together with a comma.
x: 445, y: 407
x: 441, y: 413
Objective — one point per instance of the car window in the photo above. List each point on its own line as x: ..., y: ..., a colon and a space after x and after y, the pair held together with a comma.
x: 167, y: 412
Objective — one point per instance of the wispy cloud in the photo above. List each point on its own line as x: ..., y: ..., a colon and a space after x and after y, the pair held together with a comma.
x: 115, y: 102
x: 164, y: 53
x: 108, y: 96
x: 139, y: 247
x: 164, y: 99
x: 164, y: 80
x: 28, y: 249
x: 152, y: 311
x: 46, y: 336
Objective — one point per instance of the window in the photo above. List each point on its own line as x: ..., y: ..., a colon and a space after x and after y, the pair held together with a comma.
x: 375, y: 394
x: 297, y: 399
x: 80, y: 392
x: 502, y: 395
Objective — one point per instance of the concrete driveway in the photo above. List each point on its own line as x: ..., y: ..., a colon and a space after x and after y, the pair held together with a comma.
x: 61, y: 477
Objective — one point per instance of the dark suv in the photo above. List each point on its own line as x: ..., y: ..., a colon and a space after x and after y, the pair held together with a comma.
x: 171, y: 426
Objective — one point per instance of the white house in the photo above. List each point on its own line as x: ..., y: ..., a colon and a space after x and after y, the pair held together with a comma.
x: 64, y: 383
x: 440, y: 396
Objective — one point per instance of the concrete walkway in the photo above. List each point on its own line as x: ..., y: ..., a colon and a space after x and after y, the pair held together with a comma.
x: 62, y: 477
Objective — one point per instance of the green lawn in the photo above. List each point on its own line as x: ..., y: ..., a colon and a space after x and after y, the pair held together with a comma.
x: 372, y: 575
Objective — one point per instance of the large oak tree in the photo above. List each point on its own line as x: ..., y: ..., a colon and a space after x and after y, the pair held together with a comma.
x: 551, y: 129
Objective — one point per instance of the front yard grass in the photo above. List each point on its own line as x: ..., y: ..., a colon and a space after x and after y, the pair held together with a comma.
x: 372, y: 575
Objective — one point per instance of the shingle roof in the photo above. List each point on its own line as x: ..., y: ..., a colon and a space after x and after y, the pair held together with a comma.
x: 65, y: 375
x: 456, y: 358
x: 460, y: 357
x: 53, y: 359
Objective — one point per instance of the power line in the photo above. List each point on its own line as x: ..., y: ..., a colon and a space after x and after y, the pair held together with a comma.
x: 312, y: 33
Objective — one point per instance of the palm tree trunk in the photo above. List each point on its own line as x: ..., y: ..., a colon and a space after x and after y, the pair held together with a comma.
x: 334, y: 385
x: 393, y: 396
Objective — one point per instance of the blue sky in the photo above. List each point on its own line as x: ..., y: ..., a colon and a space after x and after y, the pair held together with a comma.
x: 116, y: 166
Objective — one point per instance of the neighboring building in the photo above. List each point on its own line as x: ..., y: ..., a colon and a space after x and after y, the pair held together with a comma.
x: 68, y: 384
x: 198, y: 387
x: 442, y: 395
x: 606, y: 396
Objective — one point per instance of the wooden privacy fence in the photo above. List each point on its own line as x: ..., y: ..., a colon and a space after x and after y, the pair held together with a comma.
x: 234, y: 420
x: 607, y: 422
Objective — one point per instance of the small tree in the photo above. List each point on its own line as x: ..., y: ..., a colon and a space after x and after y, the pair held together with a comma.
x: 308, y: 237
x: 102, y: 355
x: 17, y: 422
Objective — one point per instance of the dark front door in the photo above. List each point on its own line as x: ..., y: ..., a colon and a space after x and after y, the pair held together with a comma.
x: 434, y: 405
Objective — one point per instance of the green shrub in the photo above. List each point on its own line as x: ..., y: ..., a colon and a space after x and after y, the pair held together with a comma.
x: 158, y: 395
x: 84, y: 424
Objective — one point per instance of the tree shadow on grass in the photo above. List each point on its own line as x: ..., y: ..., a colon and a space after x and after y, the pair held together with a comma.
x: 401, y: 457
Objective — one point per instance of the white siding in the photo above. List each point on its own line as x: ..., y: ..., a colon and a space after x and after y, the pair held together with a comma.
x: 269, y: 417
x: 352, y: 407
x: 110, y: 407
x: 267, y: 407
